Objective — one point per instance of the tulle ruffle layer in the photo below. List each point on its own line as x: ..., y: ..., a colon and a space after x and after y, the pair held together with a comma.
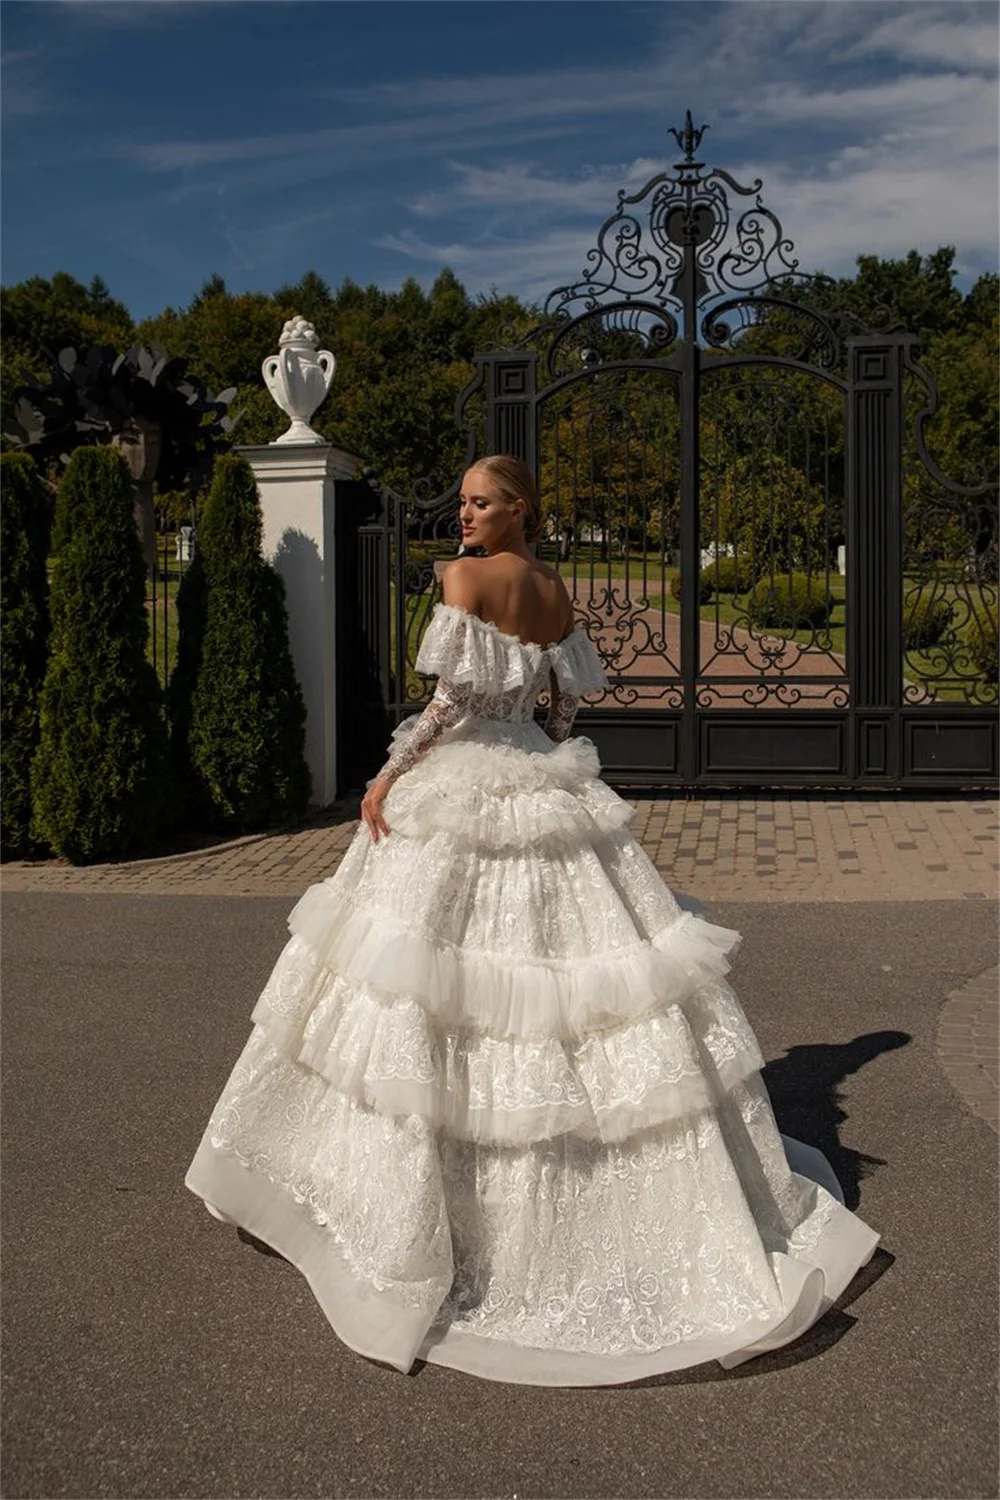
x: 391, y: 1052
x: 507, y: 995
x: 464, y: 649
x: 499, y: 798
x: 567, y: 1263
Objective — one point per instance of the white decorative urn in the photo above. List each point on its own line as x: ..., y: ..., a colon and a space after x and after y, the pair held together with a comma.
x: 298, y: 378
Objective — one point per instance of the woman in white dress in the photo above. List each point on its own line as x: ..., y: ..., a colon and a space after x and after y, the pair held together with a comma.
x: 499, y: 1104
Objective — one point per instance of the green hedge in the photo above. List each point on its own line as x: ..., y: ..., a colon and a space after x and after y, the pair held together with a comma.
x: 727, y: 575
x: 24, y: 633
x: 705, y: 586
x: 98, y: 775
x: 791, y: 602
x: 925, y: 620
x: 237, y: 710
x: 984, y: 645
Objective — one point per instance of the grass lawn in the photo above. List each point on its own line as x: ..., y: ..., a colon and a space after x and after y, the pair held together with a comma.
x: 919, y: 666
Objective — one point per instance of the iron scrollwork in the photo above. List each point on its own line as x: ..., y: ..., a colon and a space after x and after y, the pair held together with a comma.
x: 641, y: 248
x: 685, y: 402
x: 951, y: 561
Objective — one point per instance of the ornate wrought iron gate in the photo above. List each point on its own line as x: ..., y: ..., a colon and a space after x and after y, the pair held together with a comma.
x: 737, y: 489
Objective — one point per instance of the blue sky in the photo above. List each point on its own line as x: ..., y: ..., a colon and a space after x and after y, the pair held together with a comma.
x: 155, y: 143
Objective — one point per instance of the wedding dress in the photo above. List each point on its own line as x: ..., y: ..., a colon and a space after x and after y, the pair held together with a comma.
x: 499, y: 1104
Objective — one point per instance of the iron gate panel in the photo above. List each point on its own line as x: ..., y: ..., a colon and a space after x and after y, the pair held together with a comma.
x: 713, y: 442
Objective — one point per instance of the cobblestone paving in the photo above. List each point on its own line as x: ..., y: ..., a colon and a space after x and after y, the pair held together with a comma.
x: 968, y: 1044
x: 714, y: 848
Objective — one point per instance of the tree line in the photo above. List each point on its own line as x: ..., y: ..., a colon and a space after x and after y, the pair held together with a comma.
x: 403, y: 357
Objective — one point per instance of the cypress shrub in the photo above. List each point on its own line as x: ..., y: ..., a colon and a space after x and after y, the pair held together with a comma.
x: 246, y: 721
x: 24, y: 632
x: 191, y: 605
x: 98, y: 773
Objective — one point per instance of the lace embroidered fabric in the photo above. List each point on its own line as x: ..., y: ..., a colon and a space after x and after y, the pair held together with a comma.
x: 483, y: 673
x: 563, y: 708
x: 499, y: 1102
x: 449, y: 705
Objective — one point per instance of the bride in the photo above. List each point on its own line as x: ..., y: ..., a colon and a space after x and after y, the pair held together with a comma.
x: 499, y: 1104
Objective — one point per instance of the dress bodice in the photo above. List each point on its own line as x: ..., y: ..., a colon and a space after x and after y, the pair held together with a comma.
x: 502, y: 675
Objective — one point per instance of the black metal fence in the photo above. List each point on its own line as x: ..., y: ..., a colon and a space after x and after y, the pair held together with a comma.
x: 174, y: 554
x: 737, y: 488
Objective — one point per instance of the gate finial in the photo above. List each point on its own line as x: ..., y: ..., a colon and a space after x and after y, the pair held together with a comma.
x: 689, y: 139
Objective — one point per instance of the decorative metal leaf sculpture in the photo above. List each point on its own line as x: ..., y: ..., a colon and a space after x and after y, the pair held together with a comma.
x: 96, y: 394
x: 166, y: 421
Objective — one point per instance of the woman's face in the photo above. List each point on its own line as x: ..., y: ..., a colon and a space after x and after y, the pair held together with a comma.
x: 487, y: 520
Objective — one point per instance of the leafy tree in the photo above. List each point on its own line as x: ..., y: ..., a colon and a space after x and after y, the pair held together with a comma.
x: 40, y: 317
x: 24, y: 630
x: 610, y: 466
x: 768, y: 513
x: 224, y: 337
x: 234, y: 694
x: 97, y: 775
x: 310, y: 298
x: 943, y: 528
x: 403, y: 357
x: 915, y: 293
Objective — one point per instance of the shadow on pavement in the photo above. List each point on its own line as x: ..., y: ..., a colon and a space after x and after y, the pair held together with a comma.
x: 804, y: 1091
x: 823, y: 1335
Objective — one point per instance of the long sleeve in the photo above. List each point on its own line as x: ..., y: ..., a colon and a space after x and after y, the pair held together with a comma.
x: 447, y: 707
x: 562, y: 711
x: 575, y: 671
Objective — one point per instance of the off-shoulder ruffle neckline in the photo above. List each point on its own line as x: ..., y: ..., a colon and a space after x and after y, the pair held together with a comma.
x: 504, y: 635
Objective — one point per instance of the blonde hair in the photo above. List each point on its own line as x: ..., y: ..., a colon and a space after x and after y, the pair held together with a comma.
x: 513, y: 480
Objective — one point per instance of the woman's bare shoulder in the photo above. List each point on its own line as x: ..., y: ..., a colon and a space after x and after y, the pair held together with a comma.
x: 461, y: 583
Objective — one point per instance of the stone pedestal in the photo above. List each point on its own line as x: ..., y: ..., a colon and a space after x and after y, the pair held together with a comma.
x: 297, y: 484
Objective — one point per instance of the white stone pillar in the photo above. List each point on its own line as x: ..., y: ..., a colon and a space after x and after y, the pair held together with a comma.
x: 297, y: 484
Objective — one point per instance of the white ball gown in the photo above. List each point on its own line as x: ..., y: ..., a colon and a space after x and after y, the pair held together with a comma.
x: 499, y: 1104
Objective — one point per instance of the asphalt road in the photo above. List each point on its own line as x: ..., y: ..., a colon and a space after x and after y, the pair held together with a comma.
x: 147, y: 1351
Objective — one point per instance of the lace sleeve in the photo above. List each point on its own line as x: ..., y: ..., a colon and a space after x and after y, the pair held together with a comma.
x: 447, y: 707
x: 562, y: 711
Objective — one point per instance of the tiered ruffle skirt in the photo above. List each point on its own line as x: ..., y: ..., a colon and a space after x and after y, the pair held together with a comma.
x: 502, y: 1108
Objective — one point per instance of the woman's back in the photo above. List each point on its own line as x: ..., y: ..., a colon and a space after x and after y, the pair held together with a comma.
x: 521, y: 597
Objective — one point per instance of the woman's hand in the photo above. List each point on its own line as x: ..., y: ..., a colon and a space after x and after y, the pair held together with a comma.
x: 371, y: 808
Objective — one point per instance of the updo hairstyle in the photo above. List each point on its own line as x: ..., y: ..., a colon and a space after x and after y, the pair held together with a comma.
x: 513, y: 480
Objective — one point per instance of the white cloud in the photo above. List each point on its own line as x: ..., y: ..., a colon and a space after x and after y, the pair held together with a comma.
x: 943, y: 39
x: 524, y: 184
x: 23, y: 91
x: 532, y: 265
x: 903, y: 157
x: 872, y: 125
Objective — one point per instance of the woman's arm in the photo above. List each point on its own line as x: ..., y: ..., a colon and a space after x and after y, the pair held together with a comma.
x: 447, y: 707
x: 562, y: 711
x: 562, y: 706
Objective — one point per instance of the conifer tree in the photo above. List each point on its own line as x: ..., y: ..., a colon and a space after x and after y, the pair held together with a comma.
x: 24, y: 632
x: 246, y: 722
x: 98, y: 773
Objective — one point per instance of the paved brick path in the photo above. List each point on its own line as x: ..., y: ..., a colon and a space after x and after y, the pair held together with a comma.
x: 714, y: 848
x: 968, y: 1044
